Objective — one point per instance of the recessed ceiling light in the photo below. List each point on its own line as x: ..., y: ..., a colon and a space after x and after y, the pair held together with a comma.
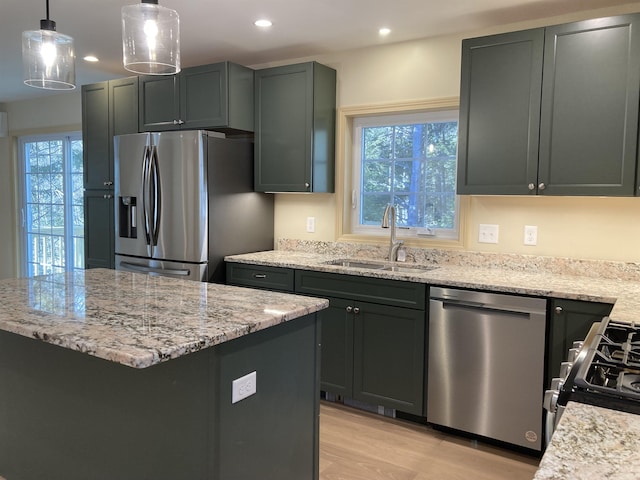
x: 90, y: 58
x: 263, y: 23
x: 384, y: 31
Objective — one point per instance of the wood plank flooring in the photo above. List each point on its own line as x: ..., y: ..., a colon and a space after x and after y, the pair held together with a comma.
x: 357, y: 445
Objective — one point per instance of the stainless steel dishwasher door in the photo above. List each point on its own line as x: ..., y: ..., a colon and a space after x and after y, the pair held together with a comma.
x: 486, y: 364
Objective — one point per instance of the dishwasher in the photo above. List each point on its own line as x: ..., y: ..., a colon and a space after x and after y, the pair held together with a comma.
x: 486, y: 364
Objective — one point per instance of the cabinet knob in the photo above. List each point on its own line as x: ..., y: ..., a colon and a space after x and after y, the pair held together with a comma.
x: 107, y: 184
x: 558, y: 310
x: 307, y: 185
x: 542, y: 186
x: 180, y: 122
x: 349, y: 309
x: 175, y: 122
x: 532, y: 186
x: 356, y: 310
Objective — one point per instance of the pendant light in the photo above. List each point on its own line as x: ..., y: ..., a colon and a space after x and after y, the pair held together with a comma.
x: 48, y: 57
x: 150, y: 39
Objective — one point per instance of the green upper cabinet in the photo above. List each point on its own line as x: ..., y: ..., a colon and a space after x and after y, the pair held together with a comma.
x: 551, y: 111
x: 98, y: 166
x: 216, y: 96
x: 108, y: 109
x: 295, y: 109
x: 589, y: 121
x: 500, y: 113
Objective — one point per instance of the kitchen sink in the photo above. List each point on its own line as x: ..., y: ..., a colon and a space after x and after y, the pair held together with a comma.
x: 383, y: 266
x: 409, y: 269
x: 357, y: 264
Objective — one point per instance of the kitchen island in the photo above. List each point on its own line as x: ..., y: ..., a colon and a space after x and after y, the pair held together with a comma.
x: 107, y: 374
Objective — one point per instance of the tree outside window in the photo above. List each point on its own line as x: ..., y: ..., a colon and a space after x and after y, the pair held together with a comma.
x: 411, y: 164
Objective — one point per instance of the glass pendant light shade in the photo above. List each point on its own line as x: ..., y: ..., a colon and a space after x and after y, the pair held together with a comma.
x: 150, y: 39
x: 48, y: 58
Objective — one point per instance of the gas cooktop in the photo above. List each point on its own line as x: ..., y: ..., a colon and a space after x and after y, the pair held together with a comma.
x: 608, y: 375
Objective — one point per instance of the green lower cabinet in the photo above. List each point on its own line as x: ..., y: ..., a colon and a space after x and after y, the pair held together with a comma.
x: 336, y: 365
x: 389, y: 357
x: 374, y: 353
x: 373, y: 335
x: 570, y: 320
x: 99, y: 230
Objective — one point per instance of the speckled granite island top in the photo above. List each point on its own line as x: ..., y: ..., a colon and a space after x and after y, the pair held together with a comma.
x: 592, y: 442
x: 136, y: 319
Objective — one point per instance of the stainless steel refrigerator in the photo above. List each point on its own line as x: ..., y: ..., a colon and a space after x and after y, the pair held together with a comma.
x: 184, y: 200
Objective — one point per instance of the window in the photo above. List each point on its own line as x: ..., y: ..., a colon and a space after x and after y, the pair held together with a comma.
x: 409, y: 160
x: 52, y: 203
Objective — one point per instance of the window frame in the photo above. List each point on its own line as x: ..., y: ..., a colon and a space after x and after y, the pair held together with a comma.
x: 67, y: 138
x: 346, y: 135
x: 356, y: 198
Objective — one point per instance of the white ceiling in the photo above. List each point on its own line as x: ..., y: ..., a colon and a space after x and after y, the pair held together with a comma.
x: 217, y: 30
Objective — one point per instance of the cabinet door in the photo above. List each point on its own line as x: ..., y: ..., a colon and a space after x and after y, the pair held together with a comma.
x: 123, y: 106
x: 590, y: 107
x: 159, y: 103
x: 570, y: 320
x: 203, y: 96
x: 500, y: 113
x: 98, y: 169
x: 283, y: 116
x: 389, y: 357
x: 98, y: 229
x: 336, y: 367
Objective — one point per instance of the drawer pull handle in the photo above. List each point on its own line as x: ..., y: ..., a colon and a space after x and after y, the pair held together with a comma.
x: 259, y: 275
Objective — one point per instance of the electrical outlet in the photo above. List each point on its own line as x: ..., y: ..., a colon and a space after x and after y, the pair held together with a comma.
x: 243, y: 387
x: 488, y: 233
x: 530, y: 235
x: 311, y: 224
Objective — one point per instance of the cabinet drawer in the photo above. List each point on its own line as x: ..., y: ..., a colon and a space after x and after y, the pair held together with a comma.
x: 374, y: 290
x: 272, y: 278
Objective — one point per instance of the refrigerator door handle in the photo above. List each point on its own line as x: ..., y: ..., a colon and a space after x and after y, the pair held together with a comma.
x: 156, y: 196
x: 143, y: 268
x: 145, y: 193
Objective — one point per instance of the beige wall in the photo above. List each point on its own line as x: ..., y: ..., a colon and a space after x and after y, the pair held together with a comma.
x: 7, y: 208
x: 595, y: 228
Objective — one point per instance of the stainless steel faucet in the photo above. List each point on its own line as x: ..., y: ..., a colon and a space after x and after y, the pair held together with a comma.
x: 389, y: 220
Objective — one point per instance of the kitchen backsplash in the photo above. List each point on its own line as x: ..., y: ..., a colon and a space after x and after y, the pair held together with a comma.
x: 525, y: 263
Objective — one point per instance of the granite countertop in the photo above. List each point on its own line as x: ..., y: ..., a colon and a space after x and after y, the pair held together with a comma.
x: 591, y: 443
x: 623, y: 293
x: 140, y: 320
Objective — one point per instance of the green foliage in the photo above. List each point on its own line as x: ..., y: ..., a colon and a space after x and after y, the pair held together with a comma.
x: 414, y: 167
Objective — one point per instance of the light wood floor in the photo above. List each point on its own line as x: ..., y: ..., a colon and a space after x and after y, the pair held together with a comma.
x: 356, y: 445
